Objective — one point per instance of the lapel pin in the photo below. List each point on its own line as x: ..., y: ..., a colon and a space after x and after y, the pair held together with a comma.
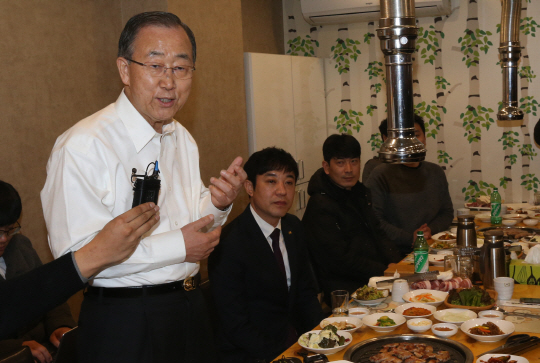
x: 290, y: 232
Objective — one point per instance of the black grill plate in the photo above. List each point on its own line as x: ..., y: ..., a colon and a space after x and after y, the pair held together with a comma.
x: 361, y: 352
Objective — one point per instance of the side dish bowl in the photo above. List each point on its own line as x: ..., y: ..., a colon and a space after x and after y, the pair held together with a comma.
x: 515, y: 217
x: 444, y: 315
x: 444, y: 333
x: 359, y: 312
x: 506, y: 327
x: 357, y: 322
x: 419, y: 325
x: 333, y: 350
x: 515, y: 358
x: 530, y: 222
x: 371, y: 321
x: 385, y: 293
x: 484, y: 217
x: 493, y: 314
x: 401, y: 308
x: 437, y: 296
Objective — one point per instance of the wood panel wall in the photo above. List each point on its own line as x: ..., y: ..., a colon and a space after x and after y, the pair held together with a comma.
x: 59, y: 67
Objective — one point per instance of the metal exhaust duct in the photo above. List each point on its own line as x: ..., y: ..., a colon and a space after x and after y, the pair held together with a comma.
x: 510, y: 52
x: 398, y: 32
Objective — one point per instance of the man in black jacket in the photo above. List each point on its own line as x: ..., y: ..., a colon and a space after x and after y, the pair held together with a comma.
x: 345, y: 242
x: 260, y: 274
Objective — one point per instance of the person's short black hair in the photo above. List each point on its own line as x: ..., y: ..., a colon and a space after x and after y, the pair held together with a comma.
x: 151, y: 18
x: 268, y: 159
x: 10, y: 204
x: 340, y: 146
x: 383, y: 127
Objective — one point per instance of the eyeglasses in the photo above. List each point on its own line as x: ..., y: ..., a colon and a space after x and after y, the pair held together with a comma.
x: 158, y: 69
x: 10, y: 232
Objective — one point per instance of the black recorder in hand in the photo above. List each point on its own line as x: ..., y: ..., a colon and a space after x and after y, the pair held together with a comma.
x: 145, y: 187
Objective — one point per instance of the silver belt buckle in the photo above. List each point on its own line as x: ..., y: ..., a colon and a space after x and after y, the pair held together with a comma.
x: 189, y: 284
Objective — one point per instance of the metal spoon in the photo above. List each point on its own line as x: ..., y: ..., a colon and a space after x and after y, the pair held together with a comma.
x: 516, y: 314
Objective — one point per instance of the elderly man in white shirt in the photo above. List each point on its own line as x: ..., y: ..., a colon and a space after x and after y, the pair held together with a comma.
x: 149, y: 307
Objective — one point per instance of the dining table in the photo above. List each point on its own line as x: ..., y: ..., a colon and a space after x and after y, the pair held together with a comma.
x: 407, y: 268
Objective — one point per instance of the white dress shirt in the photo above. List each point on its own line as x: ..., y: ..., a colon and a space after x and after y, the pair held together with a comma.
x: 89, y: 183
x: 3, y: 267
x: 267, y: 230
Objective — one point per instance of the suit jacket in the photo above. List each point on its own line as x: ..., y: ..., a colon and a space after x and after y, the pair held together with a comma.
x: 20, y: 258
x: 254, y: 305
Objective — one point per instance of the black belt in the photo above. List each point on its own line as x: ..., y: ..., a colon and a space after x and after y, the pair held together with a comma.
x: 191, y: 283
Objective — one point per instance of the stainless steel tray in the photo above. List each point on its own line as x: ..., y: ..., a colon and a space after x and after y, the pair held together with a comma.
x: 361, y: 352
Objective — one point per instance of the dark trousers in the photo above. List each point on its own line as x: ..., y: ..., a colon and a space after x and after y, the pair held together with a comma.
x: 171, y: 327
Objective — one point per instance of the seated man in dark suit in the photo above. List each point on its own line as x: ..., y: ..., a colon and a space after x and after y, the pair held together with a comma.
x: 260, y: 275
x: 17, y: 256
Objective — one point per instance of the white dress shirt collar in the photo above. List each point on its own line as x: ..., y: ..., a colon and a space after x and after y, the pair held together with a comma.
x: 139, y: 130
x: 265, y: 227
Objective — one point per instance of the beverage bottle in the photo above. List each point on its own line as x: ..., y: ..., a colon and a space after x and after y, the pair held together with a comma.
x: 421, y: 250
x: 496, y: 207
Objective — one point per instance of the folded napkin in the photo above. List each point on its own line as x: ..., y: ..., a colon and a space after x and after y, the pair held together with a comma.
x: 533, y: 257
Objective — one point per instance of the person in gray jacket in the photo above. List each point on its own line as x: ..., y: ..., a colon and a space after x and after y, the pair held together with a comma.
x: 412, y: 197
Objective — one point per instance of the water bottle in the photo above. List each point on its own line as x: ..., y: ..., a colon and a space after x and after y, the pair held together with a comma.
x: 496, y: 207
x: 421, y: 252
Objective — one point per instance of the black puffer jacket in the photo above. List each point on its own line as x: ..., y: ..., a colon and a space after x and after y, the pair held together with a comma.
x: 344, y: 239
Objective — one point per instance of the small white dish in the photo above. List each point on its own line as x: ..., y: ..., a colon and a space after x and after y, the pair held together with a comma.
x: 438, y: 296
x: 517, y: 358
x: 530, y: 222
x: 484, y: 217
x: 444, y: 333
x: 436, y: 260
x: 493, y: 314
x: 515, y: 217
x: 509, y: 222
x: 359, y: 312
x: 436, y: 237
x: 371, y: 321
x: 346, y: 335
x: 506, y: 327
x: 443, y: 315
x: 357, y: 322
x: 419, y: 325
x: 401, y: 309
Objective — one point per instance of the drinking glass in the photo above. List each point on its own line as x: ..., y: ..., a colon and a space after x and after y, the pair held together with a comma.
x: 465, y: 267
x: 340, y: 303
x: 450, y: 263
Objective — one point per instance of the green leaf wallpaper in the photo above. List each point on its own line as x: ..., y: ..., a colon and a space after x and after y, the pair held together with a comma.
x: 457, y: 88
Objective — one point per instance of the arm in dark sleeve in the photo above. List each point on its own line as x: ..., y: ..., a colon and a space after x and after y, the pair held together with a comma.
x: 445, y: 215
x: 226, y: 272
x: 10, y: 345
x: 378, y: 189
x: 59, y: 316
x: 28, y: 296
x: 330, y: 246
x: 307, y: 308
